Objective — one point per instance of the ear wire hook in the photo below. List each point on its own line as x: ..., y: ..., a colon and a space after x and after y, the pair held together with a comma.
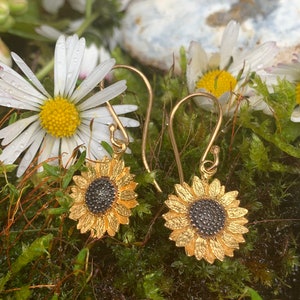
x: 146, y: 123
x: 205, y: 171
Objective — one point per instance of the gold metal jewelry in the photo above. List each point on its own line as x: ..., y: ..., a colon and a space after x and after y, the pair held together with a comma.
x: 104, y: 194
x: 204, y: 219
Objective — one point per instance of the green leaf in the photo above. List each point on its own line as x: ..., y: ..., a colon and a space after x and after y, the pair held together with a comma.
x: 80, y: 261
x: 259, y: 154
x: 70, y: 172
x: 35, y: 250
x: 253, y: 294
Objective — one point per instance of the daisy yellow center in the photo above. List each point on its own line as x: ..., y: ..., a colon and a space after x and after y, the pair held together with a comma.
x: 207, y: 216
x: 100, y: 195
x: 217, y: 82
x: 59, y: 117
x: 298, y: 93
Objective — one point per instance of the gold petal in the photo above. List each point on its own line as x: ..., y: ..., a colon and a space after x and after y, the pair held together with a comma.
x: 177, y: 223
x: 185, y: 237
x: 236, y: 212
x: 235, y: 227
x: 122, y: 219
x: 217, y: 249
x: 215, y: 188
x: 209, y: 256
x: 129, y: 203
x: 122, y: 210
x: 228, y: 198
x: 77, y: 212
x: 184, y: 193
x: 113, y: 224
x: 174, y: 234
x: 175, y: 205
x: 229, y: 240
x: 86, y: 223
x: 190, y: 247
x: 89, y: 175
x: 124, y: 180
x: 103, y: 167
x: 78, y: 197
x: 117, y: 168
x: 171, y: 215
x: 81, y: 182
x: 200, y: 247
x: 131, y: 186
x: 127, y: 195
x: 198, y: 186
x: 99, y: 227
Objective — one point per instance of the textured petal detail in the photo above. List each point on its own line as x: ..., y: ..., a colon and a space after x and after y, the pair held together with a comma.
x: 103, y: 168
x: 99, y: 228
x: 185, y: 237
x: 175, y: 205
x: 229, y: 240
x: 198, y: 186
x: 217, y: 249
x: 183, y: 193
x: 86, y: 222
x: 228, y: 198
x: 236, y: 212
x: 81, y: 182
x: 113, y: 224
x: 117, y: 168
x: 177, y: 223
x: 215, y: 188
x: 200, y: 247
x: 190, y: 247
x: 124, y: 179
x: 77, y: 212
x: 237, y: 228
x: 127, y: 195
x: 122, y: 210
x: 128, y: 203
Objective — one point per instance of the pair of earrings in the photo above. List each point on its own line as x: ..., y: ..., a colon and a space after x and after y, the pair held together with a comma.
x: 204, y: 219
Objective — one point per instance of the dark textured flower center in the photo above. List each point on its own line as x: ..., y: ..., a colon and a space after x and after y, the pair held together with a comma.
x: 208, y: 216
x: 100, y: 195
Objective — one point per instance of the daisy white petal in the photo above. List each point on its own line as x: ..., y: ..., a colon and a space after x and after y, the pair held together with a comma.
x: 30, y: 75
x: 67, y: 147
x: 48, y: 32
x: 49, y: 148
x: 31, y: 152
x: 12, y: 151
x: 92, y: 80
x: 104, y: 95
x: 60, y: 66
x: 10, y: 132
x: 74, y: 67
x: 12, y: 78
x: 228, y: 42
x: 52, y: 6
x: 295, y: 117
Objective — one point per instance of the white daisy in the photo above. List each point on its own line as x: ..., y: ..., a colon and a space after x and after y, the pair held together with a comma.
x: 58, y: 123
x: 291, y: 72
x: 224, y: 74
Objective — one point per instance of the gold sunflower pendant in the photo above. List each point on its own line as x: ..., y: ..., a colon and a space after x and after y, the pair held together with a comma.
x: 205, y: 220
x: 103, y: 197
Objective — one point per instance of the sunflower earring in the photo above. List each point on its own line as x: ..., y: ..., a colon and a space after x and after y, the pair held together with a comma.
x: 204, y: 219
x: 104, y: 194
